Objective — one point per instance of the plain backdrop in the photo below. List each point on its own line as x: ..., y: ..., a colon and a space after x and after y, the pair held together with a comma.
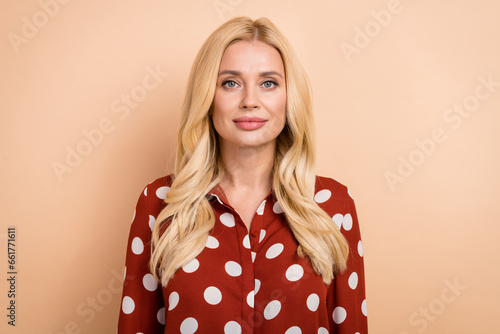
x: 407, y: 109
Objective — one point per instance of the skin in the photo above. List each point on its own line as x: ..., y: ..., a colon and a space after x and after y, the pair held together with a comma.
x: 251, y: 83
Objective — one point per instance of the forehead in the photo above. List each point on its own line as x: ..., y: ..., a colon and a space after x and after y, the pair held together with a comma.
x: 251, y: 55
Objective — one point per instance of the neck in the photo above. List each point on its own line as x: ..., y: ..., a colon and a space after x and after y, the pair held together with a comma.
x: 248, y: 168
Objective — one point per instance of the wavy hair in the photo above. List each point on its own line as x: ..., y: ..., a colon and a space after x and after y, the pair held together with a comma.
x: 183, y: 225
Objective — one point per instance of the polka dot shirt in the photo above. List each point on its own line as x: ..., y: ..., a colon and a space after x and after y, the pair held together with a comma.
x: 244, y: 281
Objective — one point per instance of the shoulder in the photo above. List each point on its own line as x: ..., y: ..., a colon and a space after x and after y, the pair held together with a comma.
x: 333, y: 197
x: 327, y: 187
x: 336, y: 200
x: 151, y: 199
x: 159, y: 186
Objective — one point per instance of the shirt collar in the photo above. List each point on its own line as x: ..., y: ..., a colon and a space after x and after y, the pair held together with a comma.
x: 218, y: 192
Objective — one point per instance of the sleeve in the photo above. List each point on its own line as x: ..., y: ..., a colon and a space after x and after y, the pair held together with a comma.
x: 346, y: 301
x: 142, y: 306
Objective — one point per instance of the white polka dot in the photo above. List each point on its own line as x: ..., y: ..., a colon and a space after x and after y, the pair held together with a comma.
x: 128, y: 305
x: 232, y: 327
x: 274, y: 250
x: 233, y: 268
x: 349, y: 192
x: 363, y: 308
x: 294, y: 272
x: 146, y: 191
x: 338, y: 218
x: 262, y: 235
x: 212, y: 242
x: 227, y: 219
x: 347, y: 224
x: 161, y: 316
x: 253, y: 256
x: 189, y: 326
x: 277, y: 208
x: 272, y: 309
x: 360, y: 248
x: 191, y: 266
x: 294, y: 330
x: 322, y: 196
x: 212, y: 295
x: 133, y: 217
x: 322, y: 330
x: 250, y: 298
x: 161, y: 192
x: 339, y: 315
x: 313, y: 302
x: 149, y: 282
x: 152, y: 222
x: 353, y: 280
x: 137, y: 246
x: 341, y: 220
x: 257, y: 285
x: 173, y: 300
x: 246, y: 241
x: 260, y: 209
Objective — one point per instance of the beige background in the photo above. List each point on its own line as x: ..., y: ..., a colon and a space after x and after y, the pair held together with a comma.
x: 424, y: 177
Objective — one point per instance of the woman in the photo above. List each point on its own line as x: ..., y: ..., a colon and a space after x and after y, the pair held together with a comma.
x: 244, y: 237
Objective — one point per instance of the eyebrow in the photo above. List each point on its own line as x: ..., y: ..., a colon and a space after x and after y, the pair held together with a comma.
x: 262, y: 74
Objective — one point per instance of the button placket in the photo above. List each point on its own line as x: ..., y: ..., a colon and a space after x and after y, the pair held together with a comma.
x: 247, y: 275
x: 256, y: 226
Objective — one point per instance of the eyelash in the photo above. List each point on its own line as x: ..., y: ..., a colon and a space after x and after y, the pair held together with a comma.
x: 227, y: 81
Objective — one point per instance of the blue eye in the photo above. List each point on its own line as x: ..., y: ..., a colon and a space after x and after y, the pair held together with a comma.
x: 229, y: 84
x: 269, y: 84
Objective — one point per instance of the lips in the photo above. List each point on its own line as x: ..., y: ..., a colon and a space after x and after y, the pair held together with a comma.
x: 249, y: 123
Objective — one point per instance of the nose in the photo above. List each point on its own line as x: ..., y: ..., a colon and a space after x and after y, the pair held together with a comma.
x: 249, y: 100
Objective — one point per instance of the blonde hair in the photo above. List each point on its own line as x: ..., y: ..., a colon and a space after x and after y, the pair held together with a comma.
x: 187, y: 218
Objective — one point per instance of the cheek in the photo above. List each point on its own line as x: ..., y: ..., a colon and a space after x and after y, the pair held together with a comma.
x: 216, y: 104
x: 278, y: 111
x: 218, y: 121
x: 224, y: 103
x: 280, y: 107
x: 218, y: 110
x: 220, y: 116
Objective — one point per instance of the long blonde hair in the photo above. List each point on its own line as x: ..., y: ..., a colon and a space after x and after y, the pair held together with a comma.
x: 182, y: 227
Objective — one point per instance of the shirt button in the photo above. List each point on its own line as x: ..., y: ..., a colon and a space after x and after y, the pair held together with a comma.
x: 254, y: 234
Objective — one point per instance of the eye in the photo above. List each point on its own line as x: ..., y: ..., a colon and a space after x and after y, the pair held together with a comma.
x: 269, y: 84
x: 229, y: 84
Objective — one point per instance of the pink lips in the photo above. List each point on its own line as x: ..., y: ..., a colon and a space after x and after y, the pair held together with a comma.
x: 249, y: 123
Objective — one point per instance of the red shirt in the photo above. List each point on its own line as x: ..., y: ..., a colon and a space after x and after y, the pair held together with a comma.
x: 245, y: 282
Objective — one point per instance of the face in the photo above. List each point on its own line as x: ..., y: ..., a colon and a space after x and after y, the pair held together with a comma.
x: 250, y: 97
